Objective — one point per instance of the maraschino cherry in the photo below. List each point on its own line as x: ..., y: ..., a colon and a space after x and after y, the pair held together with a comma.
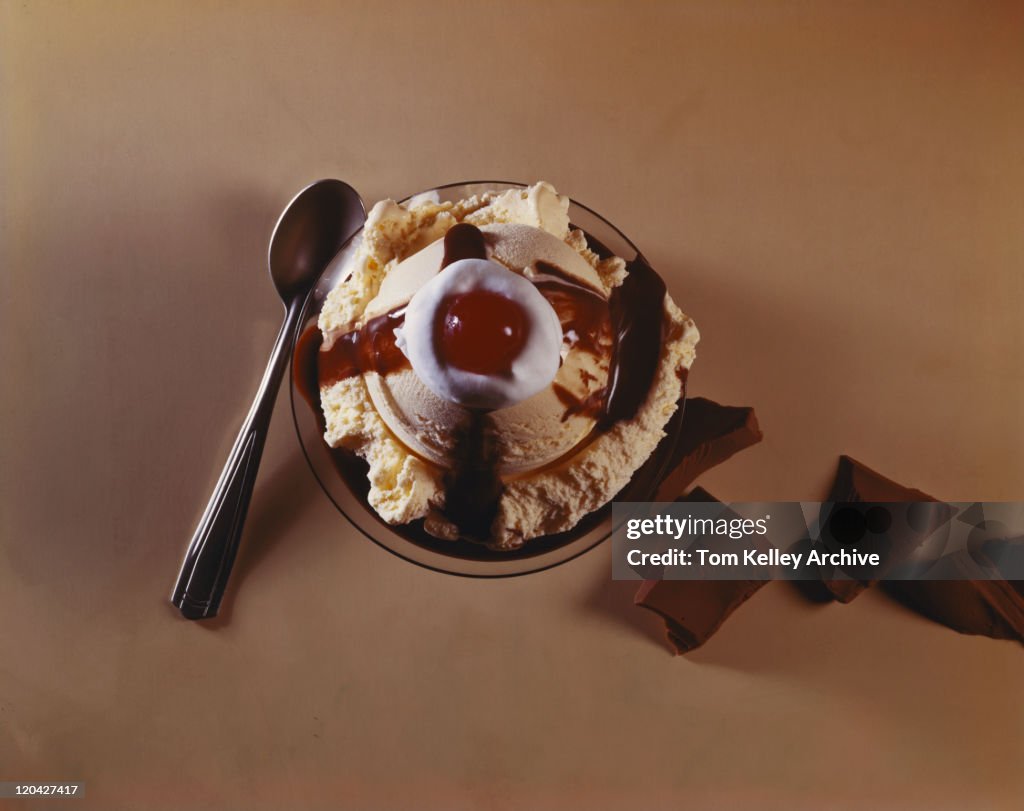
x: 481, y: 332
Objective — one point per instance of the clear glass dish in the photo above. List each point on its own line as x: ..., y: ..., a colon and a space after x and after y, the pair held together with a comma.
x: 342, y: 478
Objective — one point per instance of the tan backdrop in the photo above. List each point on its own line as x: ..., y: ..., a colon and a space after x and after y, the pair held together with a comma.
x: 833, y: 190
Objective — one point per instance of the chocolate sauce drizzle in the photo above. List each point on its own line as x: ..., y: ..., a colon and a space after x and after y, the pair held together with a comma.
x: 582, y: 310
x: 590, y: 406
x: 306, y: 367
x: 473, y: 487
x: 638, y: 313
x: 371, y: 348
x: 628, y: 325
x: 463, y: 241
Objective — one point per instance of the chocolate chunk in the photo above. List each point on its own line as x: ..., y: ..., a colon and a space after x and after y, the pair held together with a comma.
x: 694, y: 609
x: 711, y: 433
x: 857, y: 483
x: 992, y: 607
x: 988, y: 607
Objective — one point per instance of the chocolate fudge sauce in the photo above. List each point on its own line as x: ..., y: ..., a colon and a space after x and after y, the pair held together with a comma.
x: 582, y: 311
x: 463, y: 241
x: 630, y: 323
x: 371, y: 348
x: 637, y: 309
x: 306, y: 367
x: 589, y: 406
x: 473, y: 487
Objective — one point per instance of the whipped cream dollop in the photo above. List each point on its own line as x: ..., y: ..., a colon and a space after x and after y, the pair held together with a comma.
x: 482, y: 336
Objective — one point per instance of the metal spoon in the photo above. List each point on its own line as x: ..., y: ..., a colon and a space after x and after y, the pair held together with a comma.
x: 313, y: 228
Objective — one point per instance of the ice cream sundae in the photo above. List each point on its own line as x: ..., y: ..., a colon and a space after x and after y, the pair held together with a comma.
x: 501, y: 375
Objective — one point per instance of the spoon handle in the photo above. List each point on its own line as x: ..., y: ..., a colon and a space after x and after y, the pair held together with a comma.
x: 210, y: 555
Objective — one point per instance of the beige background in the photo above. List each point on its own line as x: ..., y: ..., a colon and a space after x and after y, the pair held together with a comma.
x: 833, y: 190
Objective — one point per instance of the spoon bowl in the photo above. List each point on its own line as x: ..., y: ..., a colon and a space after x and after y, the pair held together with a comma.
x: 310, y: 231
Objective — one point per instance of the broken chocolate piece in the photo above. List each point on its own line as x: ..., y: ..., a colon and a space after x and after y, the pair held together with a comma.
x: 694, y: 610
x: 857, y: 483
x: 992, y: 607
x: 989, y: 607
x: 711, y: 434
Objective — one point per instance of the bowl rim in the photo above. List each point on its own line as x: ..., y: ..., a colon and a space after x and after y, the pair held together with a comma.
x: 602, y: 529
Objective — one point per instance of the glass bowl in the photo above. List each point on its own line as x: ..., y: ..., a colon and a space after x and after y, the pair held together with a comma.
x: 342, y: 475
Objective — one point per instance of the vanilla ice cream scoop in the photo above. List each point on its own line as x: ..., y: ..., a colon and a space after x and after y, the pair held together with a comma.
x: 479, y: 335
x: 533, y: 432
